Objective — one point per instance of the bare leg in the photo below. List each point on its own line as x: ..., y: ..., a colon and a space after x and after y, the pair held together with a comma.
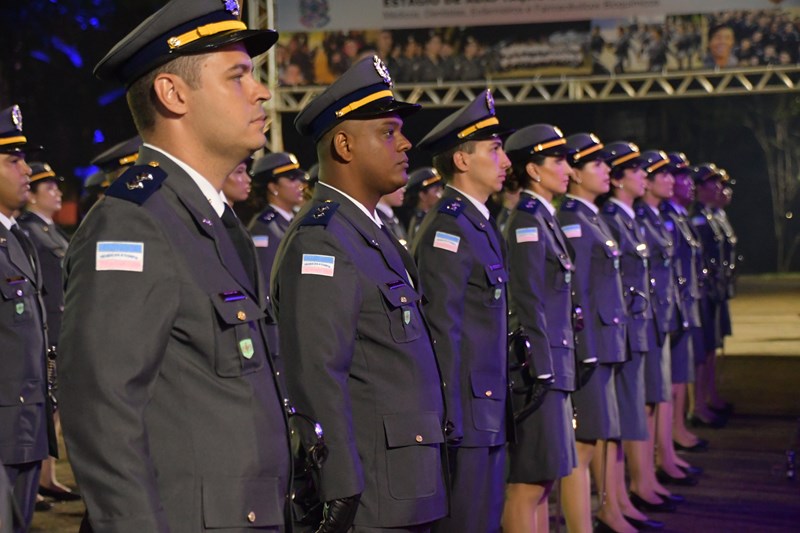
x: 521, y: 507
x: 666, y: 458
x: 680, y: 432
x: 713, y: 399
x: 621, y: 492
x: 606, y: 476
x: 701, y: 390
x: 640, y: 461
x: 576, y: 492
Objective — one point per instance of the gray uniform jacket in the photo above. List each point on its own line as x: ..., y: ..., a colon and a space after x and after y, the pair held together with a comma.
x: 461, y: 262
x: 711, y: 236
x: 171, y: 414
x: 634, y: 256
x: 51, y: 245
x: 663, y: 291
x: 687, y: 251
x: 23, y: 382
x: 267, y: 229
x: 361, y: 361
x: 541, y: 289
x: 597, y: 283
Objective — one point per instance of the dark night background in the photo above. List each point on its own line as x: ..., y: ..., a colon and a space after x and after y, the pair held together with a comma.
x: 49, y: 48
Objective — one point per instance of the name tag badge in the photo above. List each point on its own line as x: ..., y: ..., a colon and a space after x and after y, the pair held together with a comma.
x: 246, y: 348
x: 119, y: 256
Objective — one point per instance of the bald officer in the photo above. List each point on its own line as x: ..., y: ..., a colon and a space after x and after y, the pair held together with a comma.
x: 171, y: 414
x: 23, y: 380
x: 359, y: 358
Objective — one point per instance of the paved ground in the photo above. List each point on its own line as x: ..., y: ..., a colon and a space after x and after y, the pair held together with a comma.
x: 744, y: 487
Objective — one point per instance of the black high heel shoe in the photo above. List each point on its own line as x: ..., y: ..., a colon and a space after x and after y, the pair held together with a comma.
x: 602, y: 527
x: 700, y: 446
x: 666, y: 479
x: 644, y: 525
x: 691, y: 470
x: 663, y: 506
x: 673, y: 497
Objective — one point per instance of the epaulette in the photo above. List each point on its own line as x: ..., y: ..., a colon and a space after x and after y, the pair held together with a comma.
x: 570, y: 205
x: 138, y: 183
x: 610, y: 208
x: 267, y: 216
x: 320, y: 215
x: 452, y: 207
x: 529, y: 205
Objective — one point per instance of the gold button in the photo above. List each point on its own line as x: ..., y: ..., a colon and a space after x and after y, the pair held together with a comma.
x: 241, y: 315
x: 418, y: 438
x: 21, y: 399
x: 488, y: 393
x: 564, y: 342
x: 403, y: 299
x: 616, y: 320
x: 251, y: 517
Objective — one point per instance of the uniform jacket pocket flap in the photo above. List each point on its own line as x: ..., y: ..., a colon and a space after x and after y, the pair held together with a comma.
x: 612, y: 316
x: 236, y: 311
x: 30, y: 392
x: 412, y: 429
x: 496, y: 274
x: 398, y: 293
x: 231, y: 502
x: 490, y: 386
x: 15, y: 287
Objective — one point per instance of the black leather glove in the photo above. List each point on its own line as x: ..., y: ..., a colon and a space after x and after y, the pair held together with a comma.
x: 339, y: 514
x: 534, y: 398
x: 585, y: 371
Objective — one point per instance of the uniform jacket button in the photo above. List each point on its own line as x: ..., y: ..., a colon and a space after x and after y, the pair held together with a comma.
x: 251, y: 517
x: 418, y: 438
x: 488, y: 393
x: 615, y: 320
x: 241, y: 315
x: 22, y: 399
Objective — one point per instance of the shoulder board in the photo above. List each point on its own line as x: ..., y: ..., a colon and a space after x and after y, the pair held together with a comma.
x: 320, y: 215
x: 529, y: 205
x: 138, y: 183
x: 570, y: 205
x: 452, y: 207
x: 268, y: 215
x: 610, y: 208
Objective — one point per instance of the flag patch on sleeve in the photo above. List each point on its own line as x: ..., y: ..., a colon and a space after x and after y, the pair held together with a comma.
x: 446, y: 241
x: 261, y: 241
x: 318, y: 265
x: 527, y: 234
x: 124, y: 256
x: 573, y: 231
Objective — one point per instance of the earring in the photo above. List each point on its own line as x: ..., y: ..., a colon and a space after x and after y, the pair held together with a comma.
x: 537, y: 179
x: 274, y: 193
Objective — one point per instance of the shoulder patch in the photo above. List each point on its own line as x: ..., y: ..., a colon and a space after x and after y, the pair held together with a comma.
x: 452, y: 207
x: 320, y: 215
x: 138, y: 183
x: 268, y: 215
x: 529, y: 205
x: 570, y: 205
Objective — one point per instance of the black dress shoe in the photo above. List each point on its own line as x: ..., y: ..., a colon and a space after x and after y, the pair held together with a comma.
x: 59, y: 495
x: 692, y: 470
x: 42, y: 505
x: 700, y: 446
x: 663, y: 506
x: 644, y: 525
x: 715, y: 423
x: 673, y: 497
x: 602, y: 527
x: 666, y: 479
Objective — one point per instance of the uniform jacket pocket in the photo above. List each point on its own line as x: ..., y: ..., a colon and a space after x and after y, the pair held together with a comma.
x: 412, y: 454
x: 240, y: 349
x: 232, y: 502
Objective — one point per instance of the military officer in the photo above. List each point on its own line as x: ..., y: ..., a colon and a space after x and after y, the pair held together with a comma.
x: 362, y: 360
x: 628, y: 175
x: 598, y: 291
x: 171, y: 414
x: 23, y: 396
x: 422, y: 192
x: 708, y: 183
x: 461, y: 259
x: 541, y: 305
x: 51, y: 244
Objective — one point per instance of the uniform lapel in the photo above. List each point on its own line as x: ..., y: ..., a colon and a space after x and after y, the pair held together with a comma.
x: 17, y: 255
x: 206, y: 219
x: 477, y: 219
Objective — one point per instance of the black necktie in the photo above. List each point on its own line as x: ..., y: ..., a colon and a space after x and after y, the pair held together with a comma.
x: 240, y: 241
x: 26, y: 245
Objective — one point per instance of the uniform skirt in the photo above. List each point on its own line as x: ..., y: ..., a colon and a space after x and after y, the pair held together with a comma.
x: 657, y: 369
x: 596, y: 408
x: 682, y: 356
x: 545, y: 447
x: 629, y: 379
